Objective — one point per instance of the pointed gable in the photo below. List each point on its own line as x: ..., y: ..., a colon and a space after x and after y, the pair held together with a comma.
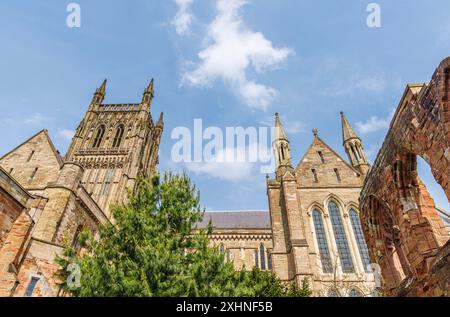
x: 34, y: 163
x: 321, y: 166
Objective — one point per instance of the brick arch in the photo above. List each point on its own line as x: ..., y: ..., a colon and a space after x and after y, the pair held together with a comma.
x: 385, y: 242
x: 393, y: 194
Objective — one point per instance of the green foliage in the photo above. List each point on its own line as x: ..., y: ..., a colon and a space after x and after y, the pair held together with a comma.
x: 151, y: 250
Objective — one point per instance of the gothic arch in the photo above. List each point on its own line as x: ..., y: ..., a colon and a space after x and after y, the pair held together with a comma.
x: 318, y: 206
x: 99, y: 136
x: 339, y: 202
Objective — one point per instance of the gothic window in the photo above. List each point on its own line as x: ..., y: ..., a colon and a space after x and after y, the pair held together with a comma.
x: 108, y: 181
x: 332, y: 293
x: 322, y: 158
x: 99, y: 137
x: 269, y: 260
x: 341, y: 238
x: 30, y: 156
x: 119, y: 135
x: 262, y: 254
x: 282, y: 152
x: 316, y: 179
x: 358, y: 149
x: 33, y: 174
x: 31, y: 286
x: 228, y: 256
x: 76, y: 238
x: 354, y: 293
x: 338, y: 175
x: 355, y: 154
x: 256, y: 258
x: 322, y: 242
x: 362, y: 246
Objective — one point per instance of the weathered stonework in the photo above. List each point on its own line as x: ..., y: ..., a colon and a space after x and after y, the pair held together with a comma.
x: 46, y: 200
x: 401, y: 224
x: 322, y: 177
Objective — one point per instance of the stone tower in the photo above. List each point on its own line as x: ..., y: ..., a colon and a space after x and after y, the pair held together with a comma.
x: 353, y: 146
x: 116, y: 143
x: 314, y: 215
x: 290, y: 248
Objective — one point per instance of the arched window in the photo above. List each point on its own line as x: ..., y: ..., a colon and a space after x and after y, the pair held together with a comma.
x: 355, y: 293
x: 108, y: 180
x: 341, y: 238
x: 99, y: 137
x: 269, y: 260
x: 76, y: 237
x: 256, y: 258
x: 354, y: 153
x: 360, y: 240
x: 322, y: 242
x: 262, y: 254
x: 332, y: 293
x: 119, y: 135
x: 228, y: 256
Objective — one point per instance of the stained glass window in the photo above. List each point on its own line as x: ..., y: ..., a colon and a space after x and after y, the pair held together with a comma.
x: 340, y: 237
x: 322, y: 242
x: 360, y: 240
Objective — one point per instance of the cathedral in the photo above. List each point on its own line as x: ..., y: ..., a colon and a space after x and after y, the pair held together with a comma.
x: 348, y: 228
x: 46, y: 199
x: 312, y: 230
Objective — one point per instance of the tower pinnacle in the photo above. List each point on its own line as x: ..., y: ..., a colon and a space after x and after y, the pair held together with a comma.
x: 353, y: 146
x: 281, y: 149
x: 147, y: 97
x: 100, y: 93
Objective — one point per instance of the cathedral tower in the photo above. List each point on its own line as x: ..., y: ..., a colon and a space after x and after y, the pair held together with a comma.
x: 116, y: 143
x: 353, y: 146
x: 290, y: 257
x: 281, y: 149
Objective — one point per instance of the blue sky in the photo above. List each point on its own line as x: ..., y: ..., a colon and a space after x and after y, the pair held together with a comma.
x: 229, y: 63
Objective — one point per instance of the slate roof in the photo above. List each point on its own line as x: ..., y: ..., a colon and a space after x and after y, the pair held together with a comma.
x: 237, y: 220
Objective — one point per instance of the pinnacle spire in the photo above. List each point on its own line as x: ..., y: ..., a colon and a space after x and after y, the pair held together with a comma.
x: 150, y: 87
x: 160, y: 122
x: 100, y: 93
x: 148, y: 93
x: 280, y: 134
x: 102, y: 88
x: 347, y: 131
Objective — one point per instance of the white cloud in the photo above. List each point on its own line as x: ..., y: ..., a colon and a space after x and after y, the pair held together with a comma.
x: 233, y: 163
x: 375, y: 123
x: 234, y: 49
x: 66, y: 134
x: 228, y: 169
x: 183, y: 19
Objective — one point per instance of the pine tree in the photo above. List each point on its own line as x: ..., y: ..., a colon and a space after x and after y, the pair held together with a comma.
x: 152, y: 251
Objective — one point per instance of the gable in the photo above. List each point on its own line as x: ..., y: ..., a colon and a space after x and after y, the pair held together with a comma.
x: 33, y: 163
x: 311, y: 167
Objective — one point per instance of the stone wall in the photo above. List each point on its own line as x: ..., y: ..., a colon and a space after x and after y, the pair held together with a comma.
x: 401, y: 224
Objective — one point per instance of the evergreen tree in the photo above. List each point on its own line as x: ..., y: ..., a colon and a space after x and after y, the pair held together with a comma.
x: 151, y: 250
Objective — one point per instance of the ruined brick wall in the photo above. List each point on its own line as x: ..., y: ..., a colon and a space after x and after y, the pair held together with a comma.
x: 402, y: 227
x: 9, y: 212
